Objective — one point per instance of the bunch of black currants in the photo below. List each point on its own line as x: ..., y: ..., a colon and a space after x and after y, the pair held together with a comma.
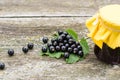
x: 63, y: 43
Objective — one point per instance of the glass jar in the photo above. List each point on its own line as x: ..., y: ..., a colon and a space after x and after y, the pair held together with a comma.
x: 104, y: 28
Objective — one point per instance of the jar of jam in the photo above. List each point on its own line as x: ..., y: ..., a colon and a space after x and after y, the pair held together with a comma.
x: 104, y: 28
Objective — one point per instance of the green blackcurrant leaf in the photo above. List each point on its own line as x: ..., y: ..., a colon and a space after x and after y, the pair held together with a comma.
x: 85, y: 46
x: 72, y: 59
x: 55, y: 55
x: 73, y: 34
x: 42, y: 54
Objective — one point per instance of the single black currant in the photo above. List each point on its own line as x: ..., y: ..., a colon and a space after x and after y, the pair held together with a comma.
x: 75, y: 50
x: 44, y: 49
x: 2, y: 65
x: 60, y: 32
x: 57, y: 48
x: 55, y: 43
x: 25, y: 49
x: 49, y: 44
x: 65, y: 41
x: 67, y: 45
x: 70, y: 41
x: 63, y: 48
x: 77, y: 43
x: 63, y: 36
x: 51, y: 49
x: 53, y: 40
x: 45, y: 39
x: 30, y: 46
x: 61, y: 44
x: 60, y: 39
x: 73, y: 46
x: 70, y: 50
x: 68, y: 37
x: 65, y: 33
x: 66, y: 55
x: 79, y: 47
x: 10, y: 52
x: 80, y: 53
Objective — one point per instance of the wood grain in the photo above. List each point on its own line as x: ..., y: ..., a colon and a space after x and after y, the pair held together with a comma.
x: 38, y: 8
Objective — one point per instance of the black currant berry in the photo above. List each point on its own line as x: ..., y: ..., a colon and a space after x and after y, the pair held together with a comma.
x: 60, y: 32
x: 63, y: 36
x: 75, y: 50
x: 73, y: 46
x: 65, y: 33
x: 51, y: 49
x: 67, y: 45
x: 70, y: 50
x: 57, y: 48
x: 10, y: 52
x: 65, y: 41
x: 80, y: 53
x: 66, y: 55
x: 70, y: 41
x: 2, y: 65
x: 61, y: 44
x: 49, y: 44
x: 79, y: 47
x: 60, y: 39
x: 30, y: 46
x: 55, y: 43
x: 77, y: 43
x: 44, y: 49
x: 25, y: 49
x: 68, y: 37
x: 45, y: 39
x: 53, y: 40
x: 63, y: 48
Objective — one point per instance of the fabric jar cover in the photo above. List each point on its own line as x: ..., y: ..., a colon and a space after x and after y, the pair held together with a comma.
x: 104, y: 26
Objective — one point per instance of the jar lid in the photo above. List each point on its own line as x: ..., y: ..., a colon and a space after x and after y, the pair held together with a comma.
x: 104, y: 26
x: 110, y: 16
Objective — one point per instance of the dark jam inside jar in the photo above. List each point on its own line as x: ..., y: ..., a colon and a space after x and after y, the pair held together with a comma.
x: 107, y: 54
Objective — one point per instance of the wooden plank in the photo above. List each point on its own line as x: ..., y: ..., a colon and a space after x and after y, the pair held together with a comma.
x: 37, y: 25
x: 39, y: 8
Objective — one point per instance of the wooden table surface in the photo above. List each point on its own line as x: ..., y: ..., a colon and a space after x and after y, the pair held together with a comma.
x: 23, y: 21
